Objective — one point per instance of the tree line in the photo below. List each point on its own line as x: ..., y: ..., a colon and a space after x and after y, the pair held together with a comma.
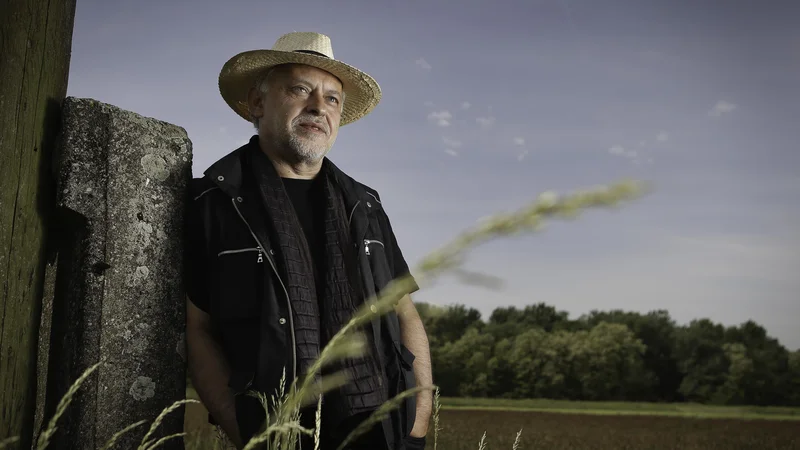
x: 539, y: 352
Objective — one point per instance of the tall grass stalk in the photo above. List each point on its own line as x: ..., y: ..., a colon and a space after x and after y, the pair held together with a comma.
x: 44, y: 438
x: 111, y: 442
x: 145, y: 444
x: 381, y: 413
x: 318, y: 423
x: 517, y: 440
x: 8, y: 441
x: 482, y: 443
x: 164, y: 439
x: 437, y: 406
x: 288, y: 429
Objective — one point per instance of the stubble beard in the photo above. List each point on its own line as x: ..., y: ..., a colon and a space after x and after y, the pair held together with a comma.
x: 305, y: 150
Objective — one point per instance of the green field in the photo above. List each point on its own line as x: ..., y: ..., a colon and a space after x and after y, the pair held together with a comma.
x: 625, y: 408
x: 552, y: 424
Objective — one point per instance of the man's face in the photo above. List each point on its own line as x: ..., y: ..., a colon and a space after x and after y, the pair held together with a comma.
x: 300, y: 113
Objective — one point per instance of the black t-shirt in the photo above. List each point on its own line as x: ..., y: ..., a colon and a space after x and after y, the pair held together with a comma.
x: 308, y: 199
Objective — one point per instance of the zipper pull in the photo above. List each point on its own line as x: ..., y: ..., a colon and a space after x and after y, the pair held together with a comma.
x: 366, y: 247
x: 260, y: 256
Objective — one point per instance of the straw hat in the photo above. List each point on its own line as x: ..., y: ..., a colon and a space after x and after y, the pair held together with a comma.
x: 240, y: 73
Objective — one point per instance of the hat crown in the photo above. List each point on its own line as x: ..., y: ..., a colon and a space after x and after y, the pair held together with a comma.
x: 305, y: 42
x: 241, y: 72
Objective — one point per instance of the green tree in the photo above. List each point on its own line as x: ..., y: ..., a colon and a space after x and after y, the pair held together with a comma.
x: 502, y: 378
x: 656, y: 330
x: 794, y: 378
x: 461, y: 367
x: 740, y: 369
x: 770, y: 377
x: 701, y: 359
x: 534, y: 360
x: 509, y: 322
x: 538, y: 352
x: 609, y: 363
x: 448, y: 324
x: 505, y: 323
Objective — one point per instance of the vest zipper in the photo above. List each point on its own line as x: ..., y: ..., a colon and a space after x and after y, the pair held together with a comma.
x: 288, y: 300
x: 244, y: 250
x: 366, y: 245
x: 352, y: 211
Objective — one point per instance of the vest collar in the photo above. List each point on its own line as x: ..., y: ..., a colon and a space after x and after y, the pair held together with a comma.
x: 227, y: 174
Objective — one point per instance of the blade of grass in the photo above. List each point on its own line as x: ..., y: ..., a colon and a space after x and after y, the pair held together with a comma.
x: 44, y: 438
x: 120, y: 433
x: 165, y: 439
x: 517, y: 440
x: 145, y: 440
x: 437, y: 406
x: 381, y: 413
x: 8, y: 441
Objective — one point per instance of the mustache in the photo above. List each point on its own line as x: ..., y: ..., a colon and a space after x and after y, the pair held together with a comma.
x: 311, y: 121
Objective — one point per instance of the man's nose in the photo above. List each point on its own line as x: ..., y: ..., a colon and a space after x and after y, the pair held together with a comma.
x: 317, y: 106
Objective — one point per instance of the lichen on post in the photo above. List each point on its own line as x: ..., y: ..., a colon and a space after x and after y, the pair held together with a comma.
x: 123, y: 181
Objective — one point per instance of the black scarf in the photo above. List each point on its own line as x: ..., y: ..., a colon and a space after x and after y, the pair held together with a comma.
x: 318, y: 316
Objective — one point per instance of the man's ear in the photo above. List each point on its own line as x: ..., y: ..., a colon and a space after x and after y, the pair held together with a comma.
x: 255, y: 103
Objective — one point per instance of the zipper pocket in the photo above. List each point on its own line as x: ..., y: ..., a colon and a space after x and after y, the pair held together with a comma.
x: 367, y: 242
x: 285, y: 291
x: 245, y: 250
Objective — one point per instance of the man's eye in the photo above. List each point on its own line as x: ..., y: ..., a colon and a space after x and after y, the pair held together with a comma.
x: 334, y: 99
x: 300, y: 89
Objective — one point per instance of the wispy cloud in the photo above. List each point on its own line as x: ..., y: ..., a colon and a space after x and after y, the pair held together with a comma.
x: 451, y: 152
x: 617, y: 150
x: 485, y: 121
x: 519, y: 141
x: 722, y: 107
x: 522, y: 155
x: 465, y: 105
x: 641, y: 160
x: 441, y: 118
x: 423, y: 64
x: 662, y: 136
x: 451, y: 143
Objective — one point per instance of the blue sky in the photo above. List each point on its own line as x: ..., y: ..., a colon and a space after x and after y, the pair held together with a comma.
x: 487, y: 104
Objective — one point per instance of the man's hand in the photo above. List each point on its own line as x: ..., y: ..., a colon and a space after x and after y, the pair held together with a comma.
x: 416, y: 340
x: 209, y: 371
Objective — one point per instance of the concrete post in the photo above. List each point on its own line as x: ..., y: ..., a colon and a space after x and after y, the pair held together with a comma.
x: 118, y: 294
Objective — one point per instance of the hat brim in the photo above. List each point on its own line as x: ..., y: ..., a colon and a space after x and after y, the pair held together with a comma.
x: 240, y: 73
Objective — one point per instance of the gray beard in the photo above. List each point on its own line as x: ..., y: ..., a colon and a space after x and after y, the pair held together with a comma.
x: 302, y: 151
x: 295, y: 150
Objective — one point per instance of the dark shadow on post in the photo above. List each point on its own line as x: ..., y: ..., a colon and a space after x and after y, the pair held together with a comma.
x: 69, y: 323
x: 45, y: 204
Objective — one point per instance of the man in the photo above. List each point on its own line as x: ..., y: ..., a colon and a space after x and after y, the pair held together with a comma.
x: 283, y: 247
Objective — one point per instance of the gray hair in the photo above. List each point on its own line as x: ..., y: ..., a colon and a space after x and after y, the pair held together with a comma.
x: 262, y: 85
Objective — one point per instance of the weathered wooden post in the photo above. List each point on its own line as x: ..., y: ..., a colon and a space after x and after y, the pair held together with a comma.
x: 35, y: 45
